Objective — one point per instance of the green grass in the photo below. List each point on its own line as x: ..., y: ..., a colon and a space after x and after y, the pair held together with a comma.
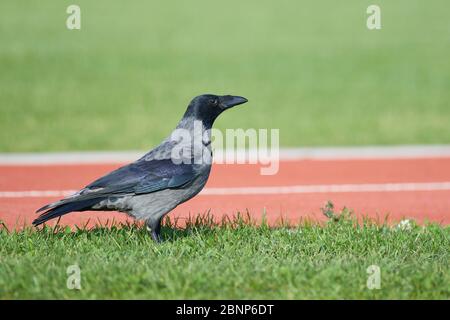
x: 231, y: 259
x: 310, y: 68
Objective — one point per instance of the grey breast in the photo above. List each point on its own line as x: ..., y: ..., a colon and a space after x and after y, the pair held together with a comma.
x: 157, y: 204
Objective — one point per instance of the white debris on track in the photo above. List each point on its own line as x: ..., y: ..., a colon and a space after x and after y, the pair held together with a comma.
x: 404, y: 225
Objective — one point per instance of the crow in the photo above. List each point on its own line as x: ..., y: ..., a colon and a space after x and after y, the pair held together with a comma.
x: 152, y: 186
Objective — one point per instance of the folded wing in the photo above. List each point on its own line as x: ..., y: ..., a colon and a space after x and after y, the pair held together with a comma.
x: 140, y: 177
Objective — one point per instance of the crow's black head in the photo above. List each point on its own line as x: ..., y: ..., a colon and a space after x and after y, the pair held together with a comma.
x: 208, y: 107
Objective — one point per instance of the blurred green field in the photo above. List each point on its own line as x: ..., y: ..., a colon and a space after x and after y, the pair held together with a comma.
x: 310, y: 68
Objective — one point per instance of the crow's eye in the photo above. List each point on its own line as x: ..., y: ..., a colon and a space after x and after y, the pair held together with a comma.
x: 214, y: 102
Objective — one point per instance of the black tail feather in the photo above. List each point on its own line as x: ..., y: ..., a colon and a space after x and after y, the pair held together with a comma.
x: 47, y: 206
x: 66, y: 208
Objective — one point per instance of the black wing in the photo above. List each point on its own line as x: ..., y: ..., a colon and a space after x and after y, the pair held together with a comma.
x: 140, y: 177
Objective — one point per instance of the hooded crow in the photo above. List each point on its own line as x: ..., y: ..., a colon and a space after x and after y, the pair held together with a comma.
x: 172, y: 173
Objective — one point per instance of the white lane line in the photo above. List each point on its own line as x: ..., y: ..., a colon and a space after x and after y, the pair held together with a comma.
x: 36, y: 193
x: 313, y: 153
x: 331, y: 188
x: 297, y: 189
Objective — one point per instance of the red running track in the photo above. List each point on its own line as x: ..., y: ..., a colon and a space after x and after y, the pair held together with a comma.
x: 429, y: 205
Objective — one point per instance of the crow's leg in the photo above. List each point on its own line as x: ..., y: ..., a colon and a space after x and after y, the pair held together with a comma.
x: 154, y: 227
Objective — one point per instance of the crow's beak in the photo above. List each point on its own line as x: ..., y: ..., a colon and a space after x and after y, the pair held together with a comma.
x: 230, y: 101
